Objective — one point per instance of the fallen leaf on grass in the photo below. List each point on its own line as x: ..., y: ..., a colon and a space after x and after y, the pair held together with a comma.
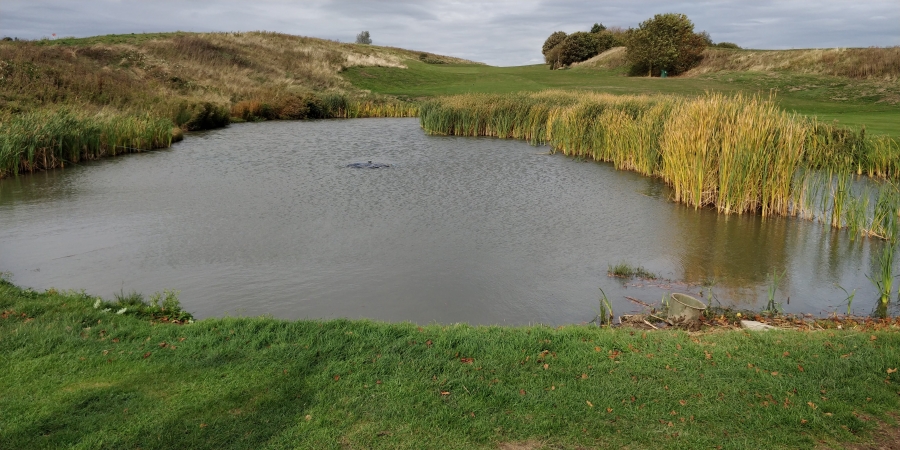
x: 890, y: 371
x: 803, y: 421
x: 445, y: 392
x: 589, y: 403
x: 812, y: 405
x: 337, y: 377
x: 609, y: 410
x: 466, y: 360
x: 799, y: 367
x: 521, y: 391
x: 546, y: 366
x: 584, y: 376
x: 147, y: 355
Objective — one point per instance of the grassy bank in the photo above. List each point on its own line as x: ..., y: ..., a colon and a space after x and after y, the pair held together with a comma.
x: 75, y: 375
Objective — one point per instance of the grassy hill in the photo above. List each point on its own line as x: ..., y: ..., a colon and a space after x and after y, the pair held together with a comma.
x: 160, y: 73
x: 815, y: 89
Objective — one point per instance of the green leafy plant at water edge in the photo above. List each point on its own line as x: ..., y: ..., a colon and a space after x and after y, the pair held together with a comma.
x: 163, y: 306
x: 883, y: 278
x: 605, y: 315
x: 849, y: 299
x: 625, y: 270
x: 773, y: 307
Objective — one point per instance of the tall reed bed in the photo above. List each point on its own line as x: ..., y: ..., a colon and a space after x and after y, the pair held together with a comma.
x: 329, y: 106
x: 737, y: 154
x: 49, y: 139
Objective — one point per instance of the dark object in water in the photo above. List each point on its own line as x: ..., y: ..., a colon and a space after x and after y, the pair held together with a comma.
x: 368, y: 165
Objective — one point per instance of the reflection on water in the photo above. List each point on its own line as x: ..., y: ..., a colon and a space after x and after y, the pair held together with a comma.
x: 267, y: 219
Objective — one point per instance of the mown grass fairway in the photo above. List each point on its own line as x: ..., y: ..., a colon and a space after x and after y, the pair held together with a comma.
x: 75, y: 376
x: 852, y: 102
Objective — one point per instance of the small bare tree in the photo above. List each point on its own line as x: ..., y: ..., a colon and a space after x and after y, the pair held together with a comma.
x: 363, y: 38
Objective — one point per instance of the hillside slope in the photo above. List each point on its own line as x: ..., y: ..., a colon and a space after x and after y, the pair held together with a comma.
x: 872, y: 63
x: 161, y: 73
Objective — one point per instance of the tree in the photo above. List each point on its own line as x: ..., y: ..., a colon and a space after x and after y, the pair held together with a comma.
x: 577, y: 47
x: 552, y: 41
x: 363, y: 38
x: 598, y: 27
x: 665, y: 42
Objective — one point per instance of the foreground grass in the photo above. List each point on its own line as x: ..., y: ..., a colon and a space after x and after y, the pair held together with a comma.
x: 72, y: 375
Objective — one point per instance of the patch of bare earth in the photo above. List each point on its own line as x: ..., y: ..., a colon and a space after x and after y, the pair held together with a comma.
x: 885, y: 437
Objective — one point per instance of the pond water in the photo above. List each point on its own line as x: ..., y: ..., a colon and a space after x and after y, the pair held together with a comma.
x: 266, y: 219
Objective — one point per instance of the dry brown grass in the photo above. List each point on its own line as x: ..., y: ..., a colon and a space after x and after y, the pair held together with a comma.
x: 860, y: 63
x: 874, y: 63
x: 610, y: 59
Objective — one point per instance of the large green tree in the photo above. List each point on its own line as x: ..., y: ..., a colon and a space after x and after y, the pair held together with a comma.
x: 665, y: 42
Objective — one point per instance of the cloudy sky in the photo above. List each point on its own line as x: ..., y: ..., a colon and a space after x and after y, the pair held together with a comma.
x: 501, y: 32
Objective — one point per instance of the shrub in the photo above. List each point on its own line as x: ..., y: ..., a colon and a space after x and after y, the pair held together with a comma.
x: 295, y: 107
x: 207, y: 116
x: 363, y: 38
x: 578, y: 47
x: 552, y: 57
x: 552, y: 41
x: 665, y: 42
x: 731, y: 45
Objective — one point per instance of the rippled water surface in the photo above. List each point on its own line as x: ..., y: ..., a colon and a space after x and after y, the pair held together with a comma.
x: 267, y: 219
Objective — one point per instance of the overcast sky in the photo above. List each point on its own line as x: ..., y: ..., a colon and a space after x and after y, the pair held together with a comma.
x: 502, y: 32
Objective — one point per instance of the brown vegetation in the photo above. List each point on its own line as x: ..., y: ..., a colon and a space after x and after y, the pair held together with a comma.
x: 860, y: 63
x: 873, y: 63
x: 167, y: 74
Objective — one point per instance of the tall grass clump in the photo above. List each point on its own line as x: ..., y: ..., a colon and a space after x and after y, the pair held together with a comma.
x: 43, y: 140
x: 738, y: 154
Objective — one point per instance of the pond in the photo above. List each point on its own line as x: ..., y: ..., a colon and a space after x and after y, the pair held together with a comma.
x: 267, y: 219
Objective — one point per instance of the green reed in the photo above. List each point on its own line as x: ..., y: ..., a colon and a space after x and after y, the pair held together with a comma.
x: 49, y: 139
x: 737, y: 154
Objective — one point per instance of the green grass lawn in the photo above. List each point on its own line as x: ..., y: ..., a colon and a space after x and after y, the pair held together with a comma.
x: 851, y: 102
x: 75, y: 376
